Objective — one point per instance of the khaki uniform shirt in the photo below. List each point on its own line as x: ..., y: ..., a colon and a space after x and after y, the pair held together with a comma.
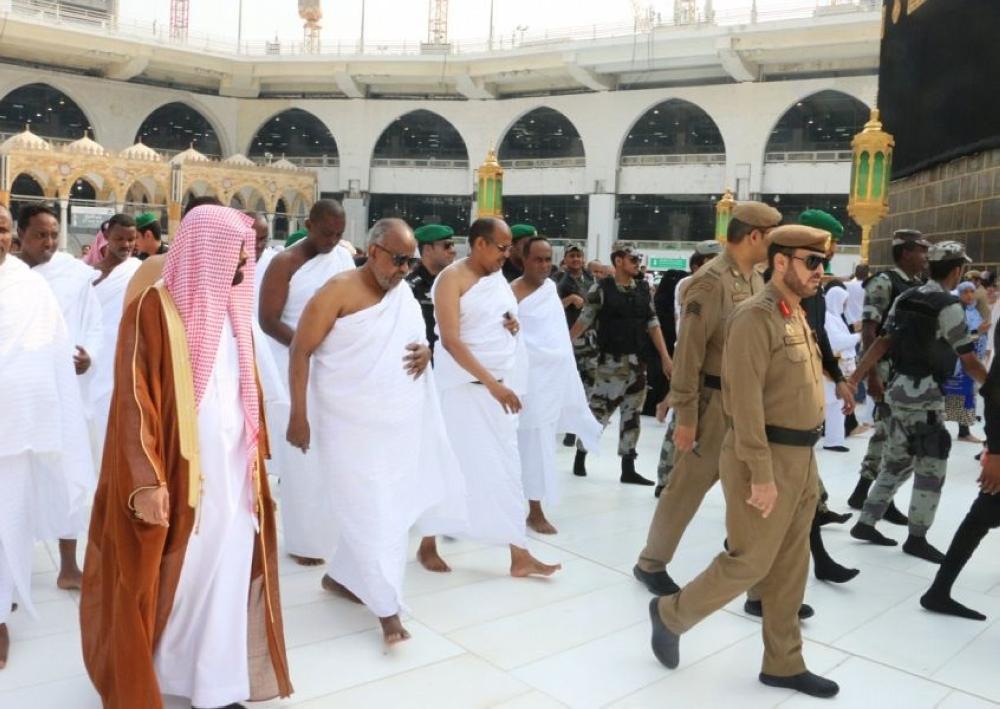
x: 709, y: 298
x: 772, y: 374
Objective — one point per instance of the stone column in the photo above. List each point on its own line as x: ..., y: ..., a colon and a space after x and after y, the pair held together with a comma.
x: 601, y: 227
x: 356, y: 209
x: 63, y: 223
x: 270, y: 226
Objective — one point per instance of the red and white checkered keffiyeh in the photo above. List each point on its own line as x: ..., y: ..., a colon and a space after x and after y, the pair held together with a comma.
x: 97, y: 249
x: 198, y: 273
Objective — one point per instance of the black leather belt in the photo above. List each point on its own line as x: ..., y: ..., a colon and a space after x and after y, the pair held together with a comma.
x: 713, y: 382
x: 792, y: 436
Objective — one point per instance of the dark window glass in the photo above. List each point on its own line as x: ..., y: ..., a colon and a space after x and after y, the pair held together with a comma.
x: 554, y: 216
x: 827, y: 120
x: 792, y: 205
x: 539, y: 135
x: 420, y: 135
x: 49, y: 112
x: 176, y: 127
x: 673, y: 127
x: 293, y: 133
x: 417, y: 210
x: 648, y: 217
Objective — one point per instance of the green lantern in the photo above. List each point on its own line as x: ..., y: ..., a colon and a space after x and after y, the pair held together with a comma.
x: 489, y: 187
x: 870, y: 174
x: 723, y: 215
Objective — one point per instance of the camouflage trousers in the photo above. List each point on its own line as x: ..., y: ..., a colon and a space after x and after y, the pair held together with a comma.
x: 876, y: 444
x: 586, y: 367
x: 619, y: 383
x: 666, y: 465
x: 917, y: 443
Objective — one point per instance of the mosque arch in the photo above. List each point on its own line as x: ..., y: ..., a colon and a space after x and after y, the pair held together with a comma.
x: 823, y: 121
x: 46, y: 110
x: 673, y: 127
x: 420, y: 135
x: 177, y: 126
x: 293, y: 133
x: 542, y: 133
x: 26, y: 184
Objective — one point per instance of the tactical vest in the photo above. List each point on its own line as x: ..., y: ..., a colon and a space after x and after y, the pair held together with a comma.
x: 899, y: 286
x: 916, y: 350
x: 621, y: 323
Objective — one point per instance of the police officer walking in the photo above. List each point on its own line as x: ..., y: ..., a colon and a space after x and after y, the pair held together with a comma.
x: 620, y: 308
x: 572, y: 286
x: 437, y: 251
x: 772, y: 390
x: 909, y: 253
x: 926, y: 334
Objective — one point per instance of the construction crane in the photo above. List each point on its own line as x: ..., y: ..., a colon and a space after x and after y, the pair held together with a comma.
x: 437, y: 22
x: 644, y: 16
x: 311, y: 13
x: 180, y: 15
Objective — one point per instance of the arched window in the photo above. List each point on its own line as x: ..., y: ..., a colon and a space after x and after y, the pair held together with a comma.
x: 83, y: 189
x: 48, y: 111
x: 674, y: 127
x: 541, y: 134
x: 295, y: 134
x: 27, y: 186
x: 176, y: 126
x: 420, y: 135
x: 826, y: 121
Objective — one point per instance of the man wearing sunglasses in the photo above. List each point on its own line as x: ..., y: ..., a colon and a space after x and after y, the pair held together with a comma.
x: 772, y: 391
x: 437, y: 251
x: 620, y: 306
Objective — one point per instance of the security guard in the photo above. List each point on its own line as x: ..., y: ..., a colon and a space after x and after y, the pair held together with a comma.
x: 437, y: 251
x: 909, y: 253
x: 513, y: 267
x: 572, y: 286
x: 772, y: 390
x: 696, y: 389
x: 926, y: 334
x: 150, y: 240
x: 622, y: 309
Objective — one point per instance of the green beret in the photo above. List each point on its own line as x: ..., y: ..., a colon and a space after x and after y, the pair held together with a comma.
x: 818, y: 219
x: 295, y: 237
x: 429, y: 233
x: 520, y: 231
x: 145, y: 219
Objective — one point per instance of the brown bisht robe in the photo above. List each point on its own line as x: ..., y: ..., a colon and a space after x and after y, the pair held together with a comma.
x: 132, y: 568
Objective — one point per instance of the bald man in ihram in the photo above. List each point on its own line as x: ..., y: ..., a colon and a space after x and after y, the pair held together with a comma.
x: 480, y: 366
x: 373, y: 414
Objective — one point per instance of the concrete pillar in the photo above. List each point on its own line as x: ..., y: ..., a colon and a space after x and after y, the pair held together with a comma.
x: 63, y: 223
x: 356, y: 209
x: 270, y: 226
x: 602, y: 229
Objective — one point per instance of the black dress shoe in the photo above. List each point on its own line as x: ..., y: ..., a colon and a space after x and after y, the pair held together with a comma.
x: 580, y: 464
x: 805, y: 682
x: 868, y: 533
x: 830, y: 570
x: 569, y: 440
x: 837, y: 449
x: 831, y: 517
x: 629, y: 476
x: 665, y: 643
x: 659, y: 583
x: 756, y: 609
x: 894, y: 516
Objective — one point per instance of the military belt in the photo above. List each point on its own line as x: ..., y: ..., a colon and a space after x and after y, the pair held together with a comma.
x: 792, y: 436
x: 713, y: 381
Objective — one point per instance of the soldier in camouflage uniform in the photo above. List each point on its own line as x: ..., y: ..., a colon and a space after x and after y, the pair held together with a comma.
x: 925, y: 331
x: 909, y: 252
x: 437, y: 251
x: 621, y: 308
x: 572, y: 287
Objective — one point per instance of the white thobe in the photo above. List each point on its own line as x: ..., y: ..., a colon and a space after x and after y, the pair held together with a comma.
x: 482, y: 435
x: 381, y: 441
x: 44, y: 470
x: 202, y: 653
x: 305, y: 513
x: 844, y: 344
x: 100, y: 380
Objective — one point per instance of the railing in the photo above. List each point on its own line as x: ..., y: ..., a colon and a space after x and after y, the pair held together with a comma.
x: 543, y: 163
x: 810, y: 156
x: 50, y: 13
x: 432, y: 163
x: 688, y: 159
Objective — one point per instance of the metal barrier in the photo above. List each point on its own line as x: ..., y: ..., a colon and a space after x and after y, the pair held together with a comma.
x: 688, y: 159
x: 810, y: 156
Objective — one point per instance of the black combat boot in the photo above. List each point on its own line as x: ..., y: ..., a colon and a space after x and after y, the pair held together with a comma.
x: 629, y: 476
x: 580, y: 464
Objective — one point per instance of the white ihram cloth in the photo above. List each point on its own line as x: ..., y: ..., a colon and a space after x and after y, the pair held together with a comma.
x: 202, y: 654
x: 46, y: 475
x: 273, y: 382
x: 844, y: 344
x: 554, y: 401
x: 381, y: 441
x: 305, y: 512
x: 482, y: 435
x: 100, y: 379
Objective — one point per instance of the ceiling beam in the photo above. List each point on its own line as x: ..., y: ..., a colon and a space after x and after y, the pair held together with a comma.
x: 347, y: 85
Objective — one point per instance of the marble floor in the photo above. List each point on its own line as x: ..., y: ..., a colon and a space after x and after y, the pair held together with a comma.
x: 581, y: 638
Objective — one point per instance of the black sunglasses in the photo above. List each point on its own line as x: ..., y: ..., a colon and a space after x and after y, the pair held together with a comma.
x: 397, y: 259
x: 502, y: 248
x: 812, y: 262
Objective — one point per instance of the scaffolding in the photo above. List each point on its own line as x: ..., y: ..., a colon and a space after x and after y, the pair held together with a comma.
x: 180, y: 15
x: 437, y: 22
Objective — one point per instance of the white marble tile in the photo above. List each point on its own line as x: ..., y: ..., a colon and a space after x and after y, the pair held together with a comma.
x: 865, y: 683
x: 57, y: 616
x: 961, y: 700
x: 38, y: 660
x: 964, y: 671
x: 76, y: 692
x: 532, y: 700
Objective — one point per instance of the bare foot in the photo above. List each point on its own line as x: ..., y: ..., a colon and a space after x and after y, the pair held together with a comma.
x: 306, y: 560
x: 429, y: 558
x: 340, y: 589
x: 70, y: 577
x: 541, y: 525
x: 522, y: 564
x: 393, y: 631
x: 4, y: 645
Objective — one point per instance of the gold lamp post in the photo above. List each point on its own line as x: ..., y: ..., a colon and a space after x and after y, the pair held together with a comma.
x: 723, y: 215
x: 489, y: 187
x: 872, y: 168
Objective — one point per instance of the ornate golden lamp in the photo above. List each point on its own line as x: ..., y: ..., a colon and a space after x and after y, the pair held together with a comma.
x: 723, y: 215
x: 870, y: 173
x: 489, y: 184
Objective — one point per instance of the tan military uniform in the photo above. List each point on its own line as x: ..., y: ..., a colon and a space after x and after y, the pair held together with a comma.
x: 773, y: 378
x: 709, y: 299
